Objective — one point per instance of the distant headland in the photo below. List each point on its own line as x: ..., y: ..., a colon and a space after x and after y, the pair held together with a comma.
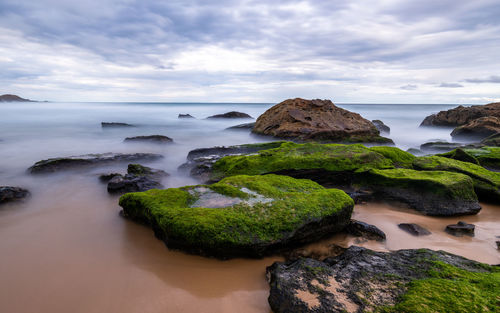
x: 13, y: 98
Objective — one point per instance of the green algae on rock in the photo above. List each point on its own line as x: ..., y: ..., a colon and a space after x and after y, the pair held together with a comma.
x: 399, y: 157
x: 362, y: 280
x: 435, y: 193
x: 488, y: 157
x: 486, y: 183
x: 242, y: 215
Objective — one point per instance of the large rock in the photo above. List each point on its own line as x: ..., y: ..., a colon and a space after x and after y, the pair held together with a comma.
x: 365, y: 230
x: 461, y: 115
x: 8, y: 193
x: 241, y: 215
x: 435, y: 193
x: 381, y: 126
x: 478, y: 129
x: 414, y: 229
x: 362, y: 280
x: 488, y: 157
x: 138, y: 178
x: 151, y: 138
x: 232, y: 114
x: 486, y: 183
x: 13, y: 98
x: 88, y: 160
x: 461, y: 228
x: 316, y: 120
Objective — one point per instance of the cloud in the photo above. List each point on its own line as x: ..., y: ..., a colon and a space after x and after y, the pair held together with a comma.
x: 450, y: 85
x: 492, y: 79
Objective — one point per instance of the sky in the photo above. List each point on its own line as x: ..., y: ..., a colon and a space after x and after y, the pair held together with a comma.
x: 357, y: 51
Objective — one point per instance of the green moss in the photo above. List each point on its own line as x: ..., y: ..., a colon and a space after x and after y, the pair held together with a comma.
x: 296, y: 202
x: 137, y: 169
x: 399, y: 157
x: 461, y: 155
x: 451, y: 289
x: 486, y: 183
x: 487, y: 156
x: 292, y: 156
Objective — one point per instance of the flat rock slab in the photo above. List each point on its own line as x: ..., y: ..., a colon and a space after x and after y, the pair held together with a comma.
x: 241, y: 216
x: 88, y: 160
x: 362, y: 280
x: 414, y: 229
x: 8, y: 193
x: 115, y: 125
x: 151, y: 138
x: 461, y: 228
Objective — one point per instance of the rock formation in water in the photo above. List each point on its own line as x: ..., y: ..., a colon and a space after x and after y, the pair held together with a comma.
x: 365, y: 230
x: 462, y: 115
x: 8, y: 193
x: 115, y: 125
x: 381, y: 126
x: 240, y: 216
x: 414, y: 229
x: 88, y: 160
x: 138, y: 178
x: 316, y: 120
x: 488, y: 157
x: 185, y: 116
x: 13, y: 98
x: 150, y: 138
x: 362, y: 280
x: 479, y: 128
x: 232, y: 114
x: 244, y: 126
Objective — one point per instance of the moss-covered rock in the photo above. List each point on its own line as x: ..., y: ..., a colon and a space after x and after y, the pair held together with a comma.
x: 362, y: 280
x: 493, y: 140
x: 319, y: 162
x: 488, y: 157
x: 486, y: 183
x: 398, y: 157
x: 436, y: 193
x: 241, y: 215
x: 461, y: 155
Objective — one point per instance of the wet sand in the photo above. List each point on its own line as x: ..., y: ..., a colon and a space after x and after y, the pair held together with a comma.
x: 66, y: 249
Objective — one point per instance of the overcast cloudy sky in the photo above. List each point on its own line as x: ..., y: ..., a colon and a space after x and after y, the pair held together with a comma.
x: 427, y: 51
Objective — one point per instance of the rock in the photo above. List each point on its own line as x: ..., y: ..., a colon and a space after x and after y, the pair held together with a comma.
x: 242, y: 126
x: 461, y: 228
x: 328, y: 164
x: 241, y: 216
x: 498, y: 244
x: 316, y: 120
x: 462, y: 115
x: 486, y: 183
x: 436, y: 146
x: 488, y: 157
x: 151, y: 138
x: 414, y: 229
x: 8, y: 193
x: 429, y: 192
x: 480, y: 128
x: 232, y: 114
x: 138, y: 178
x: 105, y: 178
x: 88, y: 160
x: 185, y: 116
x: 461, y: 155
x: 362, y: 280
x: 114, y: 125
x: 381, y: 126
x: 362, y: 229
x: 13, y: 98
x: 200, y: 161
x: 493, y: 140
x: 415, y: 151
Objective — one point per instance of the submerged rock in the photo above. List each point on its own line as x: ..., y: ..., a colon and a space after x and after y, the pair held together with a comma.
x: 242, y: 215
x: 381, y: 126
x: 462, y: 115
x: 242, y: 126
x: 478, y: 129
x: 486, y: 183
x: 8, y: 193
x: 115, y: 124
x: 362, y: 229
x: 439, y: 146
x: 461, y: 228
x: 414, y: 229
x: 460, y: 155
x: 232, y: 114
x: 88, y: 160
x: 362, y: 280
x: 138, y: 178
x: 151, y: 138
x: 316, y: 120
x: 435, y: 193
x: 185, y: 116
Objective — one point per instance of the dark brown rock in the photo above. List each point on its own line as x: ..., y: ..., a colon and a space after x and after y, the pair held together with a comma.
x: 138, y: 178
x: 365, y: 230
x: 462, y: 115
x: 185, y: 116
x: 414, y: 229
x: 461, y: 228
x: 151, y: 138
x: 315, y: 120
x: 232, y: 114
x: 492, y: 141
x: 478, y: 129
x: 242, y: 126
x: 115, y: 125
x: 439, y: 146
x: 8, y: 193
x: 13, y: 98
x: 381, y: 126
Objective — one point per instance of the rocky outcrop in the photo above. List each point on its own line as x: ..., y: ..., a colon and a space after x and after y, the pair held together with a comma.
x: 461, y: 228
x: 13, y: 98
x: 151, y: 138
x: 88, y: 160
x: 185, y: 116
x: 488, y: 157
x: 493, y: 140
x: 138, y: 178
x: 242, y: 126
x: 8, y: 193
x: 316, y: 120
x: 232, y: 114
x: 365, y: 230
x: 381, y: 126
x: 362, y: 280
x: 115, y: 125
x: 439, y: 146
x: 414, y: 229
x: 462, y: 115
x: 241, y: 216
x: 480, y: 128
